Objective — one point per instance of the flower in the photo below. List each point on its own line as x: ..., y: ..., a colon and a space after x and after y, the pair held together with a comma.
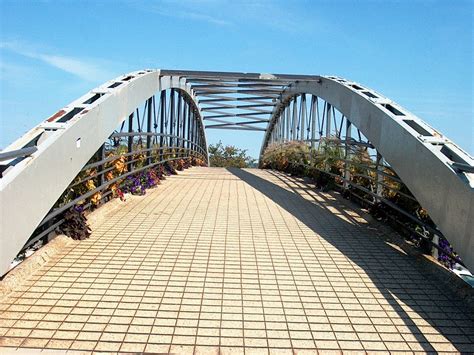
x: 120, y: 165
x: 79, y: 208
x: 446, y: 253
x: 90, y: 185
x: 120, y: 195
x: 95, y: 199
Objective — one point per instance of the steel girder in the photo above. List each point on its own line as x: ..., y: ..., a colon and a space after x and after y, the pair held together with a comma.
x: 236, y: 101
x: 437, y: 172
x: 59, y: 147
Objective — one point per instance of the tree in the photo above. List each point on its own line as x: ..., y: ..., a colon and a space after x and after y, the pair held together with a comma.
x: 229, y: 156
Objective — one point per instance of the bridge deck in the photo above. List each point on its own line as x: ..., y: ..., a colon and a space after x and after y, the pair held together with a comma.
x: 242, y: 260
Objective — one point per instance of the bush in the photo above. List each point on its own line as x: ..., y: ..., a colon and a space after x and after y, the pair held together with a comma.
x: 229, y: 156
x: 286, y: 156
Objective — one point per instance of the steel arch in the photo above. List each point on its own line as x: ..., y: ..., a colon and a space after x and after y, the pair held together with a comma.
x: 58, y: 148
x: 437, y: 172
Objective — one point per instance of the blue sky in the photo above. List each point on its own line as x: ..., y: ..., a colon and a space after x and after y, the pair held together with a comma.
x: 417, y: 53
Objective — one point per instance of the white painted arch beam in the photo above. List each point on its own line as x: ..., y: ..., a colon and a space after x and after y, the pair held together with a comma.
x: 29, y: 189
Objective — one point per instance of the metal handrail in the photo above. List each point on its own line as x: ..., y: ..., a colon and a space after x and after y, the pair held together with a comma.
x: 18, y: 153
x: 389, y: 204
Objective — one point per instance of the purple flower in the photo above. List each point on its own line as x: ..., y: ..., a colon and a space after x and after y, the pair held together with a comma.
x: 79, y: 208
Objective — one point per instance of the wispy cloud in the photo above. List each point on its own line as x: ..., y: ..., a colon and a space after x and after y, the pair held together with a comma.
x: 274, y: 16
x: 233, y: 13
x: 194, y: 16
x: 89, y: 70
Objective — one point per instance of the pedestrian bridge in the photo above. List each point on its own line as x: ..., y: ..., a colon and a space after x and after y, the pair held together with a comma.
x: 237, y: 260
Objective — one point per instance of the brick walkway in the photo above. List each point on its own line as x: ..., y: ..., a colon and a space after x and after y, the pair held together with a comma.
x: 245, y: 260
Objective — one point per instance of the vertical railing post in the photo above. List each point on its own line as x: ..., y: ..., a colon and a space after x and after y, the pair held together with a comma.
x: 280, y: 127
x: 347, y: 154
x: 130, y: 143
x: 178, y: 123
x: 275, y: 132
x: 328, y: 120
x: 191, y: 131
x: 166, y: 132
x: 188, y: 135
x: 277, y: 127
x: 194, y: 131
x: 162, y: 122
x: 303, y: 116
x: 172, y: 118
x: 378, y: 177
x: 281, y: 122
x: 288, y: 121
x: 314, y: 102
x: 100, y: 168
x: 294, y: 119
x: 199, y: 137
x: 183, y: 132
x: 149, y: 129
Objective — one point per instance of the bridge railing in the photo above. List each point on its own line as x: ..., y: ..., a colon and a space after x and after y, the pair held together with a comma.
x: 165, y: 132
x: 358, y: 171
x: 115, y: 169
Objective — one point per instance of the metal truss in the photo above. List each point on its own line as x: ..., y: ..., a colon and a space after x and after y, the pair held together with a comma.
x: 152, y: 111
x: 237, y: 101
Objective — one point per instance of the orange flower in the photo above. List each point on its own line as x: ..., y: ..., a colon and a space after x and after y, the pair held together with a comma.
x: 120, y: 165
x: 90, y: 185
x: 95, y: 199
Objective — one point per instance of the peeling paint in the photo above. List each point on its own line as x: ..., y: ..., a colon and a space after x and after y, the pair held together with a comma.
x: 56, y: 116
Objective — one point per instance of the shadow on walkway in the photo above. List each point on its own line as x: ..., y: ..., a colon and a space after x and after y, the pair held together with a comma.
x: 410, y: 293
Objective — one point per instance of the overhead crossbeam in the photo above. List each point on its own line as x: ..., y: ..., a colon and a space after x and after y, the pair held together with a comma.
x: 219, y: 91
x: 238, y: 127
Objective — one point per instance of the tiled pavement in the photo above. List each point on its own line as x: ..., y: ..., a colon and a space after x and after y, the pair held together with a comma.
x: 232, y: 261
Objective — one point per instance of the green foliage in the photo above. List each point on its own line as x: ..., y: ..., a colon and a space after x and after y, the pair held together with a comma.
x: 296, y: 158
x: 328, y: 156
x: 229, y: 156
x: 281, y: 156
